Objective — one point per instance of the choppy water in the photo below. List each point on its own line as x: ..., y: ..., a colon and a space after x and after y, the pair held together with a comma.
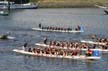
x: 19, y: 23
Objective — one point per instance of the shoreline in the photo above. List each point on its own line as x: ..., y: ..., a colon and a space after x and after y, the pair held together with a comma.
x: 68, y: 7
x: 70, y: 3
x: 75, y: 6
x: 65, y: 6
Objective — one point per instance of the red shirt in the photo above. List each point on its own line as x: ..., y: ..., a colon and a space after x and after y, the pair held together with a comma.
x: 90, y: 51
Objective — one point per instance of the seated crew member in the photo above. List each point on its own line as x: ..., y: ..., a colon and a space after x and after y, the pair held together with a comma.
x: 79, y: 28
x: 29, y: 50
x: 89, y: 52
x: 34, y: 50
x: 45, y: 40
x: 94, y: 36
x: 40, y: 25
x: 24, y: 46
x: 94, y: 46
x: 68, y: 29
x: 75, y: 53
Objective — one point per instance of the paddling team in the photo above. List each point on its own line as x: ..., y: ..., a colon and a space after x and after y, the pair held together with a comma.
x: 56, y: 51
x: 79, y: 45
x: 55, y: 47
x: 59, y: 28
x: 102, y: 40
x: 64, y: 44
x: 69, y: 45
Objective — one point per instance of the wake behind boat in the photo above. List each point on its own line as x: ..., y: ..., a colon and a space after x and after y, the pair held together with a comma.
x: 59, y: 29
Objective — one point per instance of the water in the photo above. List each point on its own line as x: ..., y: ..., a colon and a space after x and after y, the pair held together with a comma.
x: 19, y: 23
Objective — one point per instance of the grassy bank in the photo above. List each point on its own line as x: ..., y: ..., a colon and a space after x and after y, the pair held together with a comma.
x: 69, y: 3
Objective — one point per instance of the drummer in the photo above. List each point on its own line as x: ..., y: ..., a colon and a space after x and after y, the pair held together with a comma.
x: 40, y: 25
x: 25, y: 46
x: 45, y: 40
x: 79, y: 28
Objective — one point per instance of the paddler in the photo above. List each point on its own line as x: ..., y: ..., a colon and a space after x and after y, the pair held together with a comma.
x: 79, y: 28
x: 25, y: 46
x: 40, y: 25
x: 45, y: 40
x: 94, y: 36
x: 75, y: 53
x: 89, y: 52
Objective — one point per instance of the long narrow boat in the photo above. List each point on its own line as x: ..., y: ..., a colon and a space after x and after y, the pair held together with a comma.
x: 104, y: 8
x: 106, y: 11
x: 67, y: 31
x: 65, y: 48
x: 56, y: 56
x: 97, y: 43
x: 92, y: 42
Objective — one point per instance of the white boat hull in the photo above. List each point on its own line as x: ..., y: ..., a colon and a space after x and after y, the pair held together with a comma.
x: 55, y: 56
x: 73, y: 31
x: 10, y: 37
x: 102, y: 7
x: 91, y: 42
